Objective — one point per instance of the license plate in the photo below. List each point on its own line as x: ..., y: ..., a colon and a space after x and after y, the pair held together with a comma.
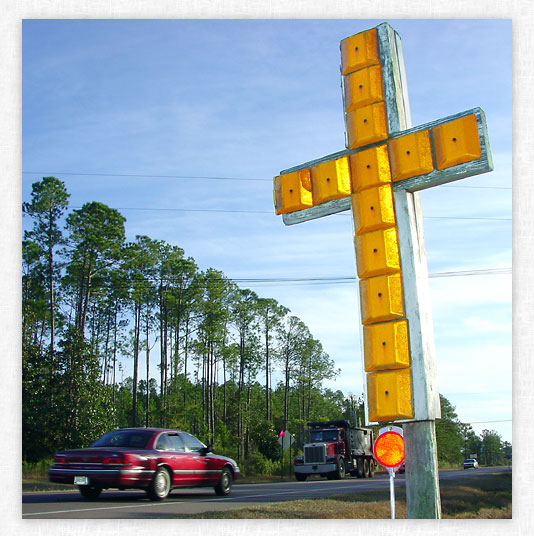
x: 81, y: 480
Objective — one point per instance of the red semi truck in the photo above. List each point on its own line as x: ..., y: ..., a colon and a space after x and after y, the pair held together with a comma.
x: 336, y: 448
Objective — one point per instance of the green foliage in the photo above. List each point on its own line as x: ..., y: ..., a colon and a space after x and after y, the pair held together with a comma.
x: 231, y: 367
x: 265, y: 439
x: 259, y: 465
x: 36, y: 406
x: 84, y: 408
x: 492, y: 448
x: 36, y: 469
x: 449, y: 435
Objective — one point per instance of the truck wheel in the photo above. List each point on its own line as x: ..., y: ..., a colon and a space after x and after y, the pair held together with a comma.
x: 340, y: 472
x: 365, y: 468
x: 371, y: 469
x: 300, y: 477
x: 359, y: 468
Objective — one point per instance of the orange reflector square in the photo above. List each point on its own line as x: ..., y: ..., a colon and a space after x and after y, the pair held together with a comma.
x: 386, y: 346
x: 292, y: 191
x: 373, y: 209
x: 410, y: 155
x: 370, y: 168
x: 363, y: 87
x: 456, y: 142
x: 367, y: 125
x: 377, y: 253
x: 389, y: 395
x: 359, y: 51
x: 381, y: 298
x: 331, y: 180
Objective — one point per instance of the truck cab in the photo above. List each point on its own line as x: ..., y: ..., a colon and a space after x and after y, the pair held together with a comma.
x: 335, y: 448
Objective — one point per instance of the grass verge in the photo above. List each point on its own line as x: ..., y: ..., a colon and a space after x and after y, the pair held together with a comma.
x: 478, y: 497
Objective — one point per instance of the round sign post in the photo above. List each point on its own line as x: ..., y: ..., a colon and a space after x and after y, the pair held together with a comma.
x: 388, y: 450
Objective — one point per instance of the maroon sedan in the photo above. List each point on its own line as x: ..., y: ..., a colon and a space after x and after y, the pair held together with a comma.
x: 152, y: 459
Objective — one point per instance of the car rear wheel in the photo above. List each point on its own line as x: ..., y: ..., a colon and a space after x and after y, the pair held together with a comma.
x: 90, y: 492
x: 224, y: 487
x: 300, y: 477
x: 160, y: 487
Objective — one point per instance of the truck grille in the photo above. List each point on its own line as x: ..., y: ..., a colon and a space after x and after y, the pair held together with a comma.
x: 314, y: 454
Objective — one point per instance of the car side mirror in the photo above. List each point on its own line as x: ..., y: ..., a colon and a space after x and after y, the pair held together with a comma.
x: 206, y: 450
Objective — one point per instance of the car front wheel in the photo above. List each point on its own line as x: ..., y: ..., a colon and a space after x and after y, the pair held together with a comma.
x: 160, y: 487
x: 224, y: 487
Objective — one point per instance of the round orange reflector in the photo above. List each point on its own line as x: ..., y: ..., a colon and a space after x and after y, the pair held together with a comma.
x: 389, y: 449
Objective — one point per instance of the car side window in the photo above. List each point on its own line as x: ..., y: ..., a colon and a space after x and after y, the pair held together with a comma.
x: 192, y: 444
x: 164, y: 443
x: 177, y: 443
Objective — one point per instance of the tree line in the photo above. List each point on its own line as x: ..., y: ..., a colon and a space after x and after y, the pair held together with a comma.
x: 91, y: 299
x: 231, y: 367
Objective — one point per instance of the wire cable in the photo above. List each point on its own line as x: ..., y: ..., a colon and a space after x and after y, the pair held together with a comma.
x: 271, y: 212
x: 202, y: 177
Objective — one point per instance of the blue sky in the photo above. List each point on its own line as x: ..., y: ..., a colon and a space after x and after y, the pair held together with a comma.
x: 246, y: 99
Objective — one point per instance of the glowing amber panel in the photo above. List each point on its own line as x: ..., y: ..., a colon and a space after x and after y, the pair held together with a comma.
x: 410, y: 155
x: 292, y: 191
x: 389, y: 395
x: 381, y: 298
x: 367, y: 125
x: 373, y: 209
x: 363, y: 87
x: 369, y: 168
x: 456, y: 142
x: 386, y: 346
x: 389, y: 449
x: 359, y: 51
x: 377, y: 253
x: 331, y: 180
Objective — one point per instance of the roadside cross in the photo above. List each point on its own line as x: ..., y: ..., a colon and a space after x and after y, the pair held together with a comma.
x: 385, y: 163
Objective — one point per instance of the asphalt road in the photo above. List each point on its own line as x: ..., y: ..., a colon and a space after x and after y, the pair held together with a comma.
x: 135, y: 504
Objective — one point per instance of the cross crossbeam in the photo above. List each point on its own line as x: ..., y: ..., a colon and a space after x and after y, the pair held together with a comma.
x: 436, y: 177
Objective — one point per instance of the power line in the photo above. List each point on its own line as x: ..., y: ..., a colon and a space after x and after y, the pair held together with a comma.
x: 487, y: 422
x: 202, y: 177
x: 333, y: 280
x: 482, y: 271
x: 352, y: 279
x: 488, y: 271
x: 142, y: 176
x: 228, y: 211
x: 271, y: 212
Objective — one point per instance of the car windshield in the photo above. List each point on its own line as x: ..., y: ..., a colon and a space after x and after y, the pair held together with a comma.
x: 323, y: 435
x: 124, y: 438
